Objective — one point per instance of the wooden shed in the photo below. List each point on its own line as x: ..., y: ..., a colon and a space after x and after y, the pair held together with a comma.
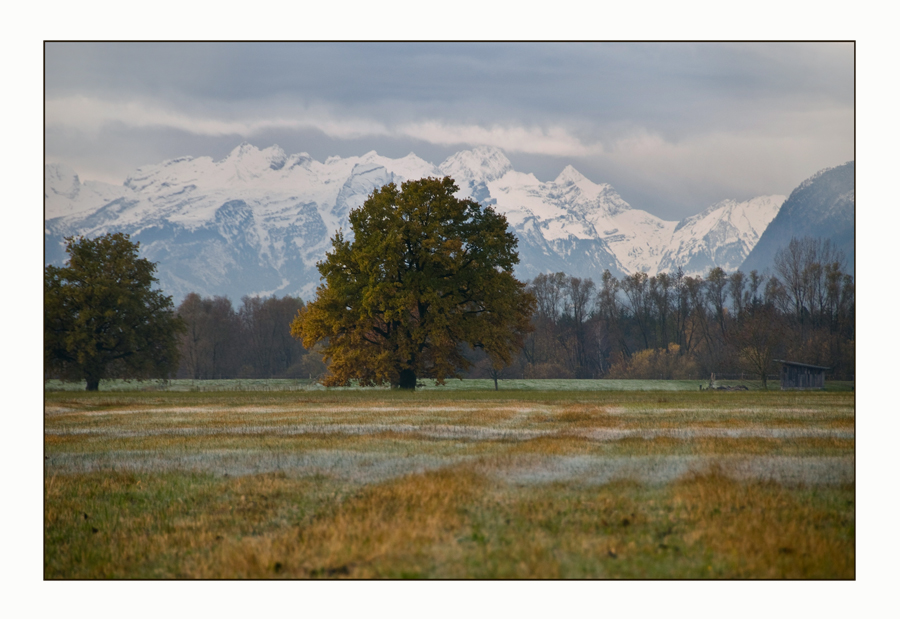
x: 801, y: 375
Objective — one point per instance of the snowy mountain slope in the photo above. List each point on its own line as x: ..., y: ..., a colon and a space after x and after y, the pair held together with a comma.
x: 549, y: 218
x: 722, y: 235
x: 591, y: 228
x: 65, y: 194
x: 257, y: 221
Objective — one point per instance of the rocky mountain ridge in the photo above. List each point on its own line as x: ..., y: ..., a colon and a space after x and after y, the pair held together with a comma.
x: 823, y: 206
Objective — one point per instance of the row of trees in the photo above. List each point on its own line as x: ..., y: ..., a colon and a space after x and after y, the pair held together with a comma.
x: 675, y: 326
x: 661, y: 326
x: 252, y: 341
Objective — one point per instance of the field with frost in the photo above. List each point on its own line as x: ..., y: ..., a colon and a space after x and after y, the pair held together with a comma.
x: 469, y: 384
x: 443, y: 483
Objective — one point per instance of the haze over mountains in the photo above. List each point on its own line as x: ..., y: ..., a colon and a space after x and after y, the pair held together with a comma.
x: 257, y: 221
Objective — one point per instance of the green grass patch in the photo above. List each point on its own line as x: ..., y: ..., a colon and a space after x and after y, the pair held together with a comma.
x: 451, y: 385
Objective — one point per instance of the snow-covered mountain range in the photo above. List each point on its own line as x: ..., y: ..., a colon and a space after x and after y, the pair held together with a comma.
x: 257, y: 221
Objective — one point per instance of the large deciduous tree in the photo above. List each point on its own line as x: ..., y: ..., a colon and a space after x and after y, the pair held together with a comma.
x: 424, y: 274
x: 102, y: 318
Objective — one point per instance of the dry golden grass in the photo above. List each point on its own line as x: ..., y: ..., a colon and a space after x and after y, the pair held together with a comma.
x: 767, y: 531
x: 382, y: 527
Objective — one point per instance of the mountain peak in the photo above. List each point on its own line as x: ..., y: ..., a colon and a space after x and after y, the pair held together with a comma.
x: 481, y: 164
x: 242, y: 150
x: 276, y: 156
x: 249, y: 156
x: 488, y: 151
x: 815, y: 177
x: 569, y: 175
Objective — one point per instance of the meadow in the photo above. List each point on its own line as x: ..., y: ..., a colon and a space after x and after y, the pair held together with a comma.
x: 649, y: 480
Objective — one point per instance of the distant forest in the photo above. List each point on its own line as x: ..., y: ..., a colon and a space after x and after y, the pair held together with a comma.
x: 666, y: 326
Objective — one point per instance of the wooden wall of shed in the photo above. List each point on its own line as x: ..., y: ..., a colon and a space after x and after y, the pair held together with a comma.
x: 796, y: 377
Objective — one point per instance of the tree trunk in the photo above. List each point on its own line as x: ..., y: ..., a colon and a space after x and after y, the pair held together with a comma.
x: 93, y: 383
x: 407, y: 380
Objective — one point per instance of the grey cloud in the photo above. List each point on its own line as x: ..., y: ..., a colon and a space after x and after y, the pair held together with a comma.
x: 765, y: 98
x: 603, y: 81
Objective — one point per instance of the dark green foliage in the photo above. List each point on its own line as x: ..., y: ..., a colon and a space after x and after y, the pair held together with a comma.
x: 424, y: 274
x: 102, y: 318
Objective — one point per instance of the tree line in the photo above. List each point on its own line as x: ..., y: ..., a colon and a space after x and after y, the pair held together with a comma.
x: 667, y: 326
x: 676, y: 326
x: 251, y: 341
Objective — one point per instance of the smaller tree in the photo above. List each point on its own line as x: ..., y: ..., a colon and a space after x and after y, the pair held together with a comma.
x: 759, y: 337
x: 102, y: 318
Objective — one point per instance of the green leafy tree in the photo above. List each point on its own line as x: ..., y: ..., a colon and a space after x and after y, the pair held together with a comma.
x: 101, y: 317
x: 424, y: 274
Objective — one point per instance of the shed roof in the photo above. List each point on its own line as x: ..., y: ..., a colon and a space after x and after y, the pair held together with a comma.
x: 802, y: 365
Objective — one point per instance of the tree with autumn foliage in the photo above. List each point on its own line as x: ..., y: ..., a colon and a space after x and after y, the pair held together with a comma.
x: 424, y: 275
x: 103, y: 319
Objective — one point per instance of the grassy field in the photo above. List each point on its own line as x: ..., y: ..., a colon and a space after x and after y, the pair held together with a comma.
x: 449, y: 483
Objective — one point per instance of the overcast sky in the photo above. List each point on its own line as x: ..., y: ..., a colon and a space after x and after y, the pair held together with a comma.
x: 674, y: 127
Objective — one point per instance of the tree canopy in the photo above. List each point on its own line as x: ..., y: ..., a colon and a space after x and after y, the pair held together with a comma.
x: 101, y: 316
x: 424, y: 274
